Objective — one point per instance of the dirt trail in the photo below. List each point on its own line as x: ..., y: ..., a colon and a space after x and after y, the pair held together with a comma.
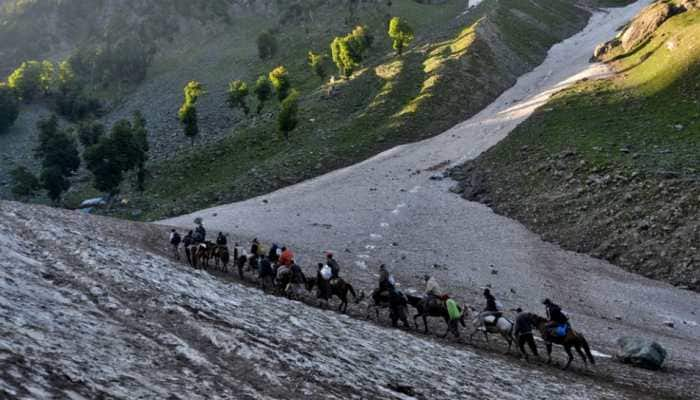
x: 387, y: 209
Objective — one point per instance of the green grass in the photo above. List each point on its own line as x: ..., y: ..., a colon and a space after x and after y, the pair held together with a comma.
x: 646, y: 120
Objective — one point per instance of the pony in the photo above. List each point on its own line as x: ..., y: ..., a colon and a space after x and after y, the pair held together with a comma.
x: 434, y: 309
x: 221, y: 257
x: 339, y: 288
x: 571, y: 339
x: 201, y: 254
x: 397, y: 304
x: 502, y: 326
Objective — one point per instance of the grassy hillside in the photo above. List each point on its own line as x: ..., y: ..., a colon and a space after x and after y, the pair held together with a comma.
x: 612, y: 167
x: 457, y: 65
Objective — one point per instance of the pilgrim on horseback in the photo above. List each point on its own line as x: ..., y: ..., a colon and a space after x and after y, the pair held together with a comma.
x: 200, y: 234
x: 334, y: 266
x: 558, y: 324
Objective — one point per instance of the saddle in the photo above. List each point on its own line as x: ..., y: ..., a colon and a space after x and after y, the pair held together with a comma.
x: 557, y: 330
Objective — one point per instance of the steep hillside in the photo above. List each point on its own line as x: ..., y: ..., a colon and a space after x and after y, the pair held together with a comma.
x: 612, y: 167
x: 459, y: 62
x: 90, y: 310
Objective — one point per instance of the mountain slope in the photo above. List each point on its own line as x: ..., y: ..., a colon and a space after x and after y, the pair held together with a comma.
x: 459, y: 62
x: 90, y: 311
x: 611, y: 167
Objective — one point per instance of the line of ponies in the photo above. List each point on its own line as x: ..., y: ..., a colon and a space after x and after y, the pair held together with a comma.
x: 273, y: 278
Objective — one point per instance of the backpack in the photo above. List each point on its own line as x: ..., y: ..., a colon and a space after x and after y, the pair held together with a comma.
x: 326, y: 272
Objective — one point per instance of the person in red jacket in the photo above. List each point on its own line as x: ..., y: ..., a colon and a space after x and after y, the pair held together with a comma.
x: 287, y: 257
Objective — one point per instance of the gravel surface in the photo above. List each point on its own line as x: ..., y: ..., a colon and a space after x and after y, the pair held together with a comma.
x: 396, y: 208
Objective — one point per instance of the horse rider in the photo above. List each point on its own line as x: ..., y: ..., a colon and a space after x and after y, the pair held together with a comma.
x: 491, y: 306
x: 188, y: 241
x: 254, y: 247
x: 297, y: 279
x: 175, y: 240
x: 522, y: 331
x: 386, y: 285
x: 221, y: 239
x: 200, y: 234
x: 432, y: 290
x: 324, y: 287
x: 287, y: 257
x: 333, y: 264
x: 272, y: 255
x: 555, y: 315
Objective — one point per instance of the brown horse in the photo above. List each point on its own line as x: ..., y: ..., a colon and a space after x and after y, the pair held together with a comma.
x: 571, y: 339
x: 202, y: 254
x: 395, y: 301
x: 338, y: 288
x: 434, y: 309
x: 221, y: 257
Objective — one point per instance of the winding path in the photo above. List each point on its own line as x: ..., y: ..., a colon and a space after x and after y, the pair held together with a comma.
x: 382, y: 210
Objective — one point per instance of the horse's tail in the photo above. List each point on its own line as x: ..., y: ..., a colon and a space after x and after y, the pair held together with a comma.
x: 587, y: 349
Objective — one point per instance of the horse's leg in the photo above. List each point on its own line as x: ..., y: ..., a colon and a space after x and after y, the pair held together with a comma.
x: 425, y: 323
x: 580, y: 353
x: 567, y: 348
x: 549, y: 352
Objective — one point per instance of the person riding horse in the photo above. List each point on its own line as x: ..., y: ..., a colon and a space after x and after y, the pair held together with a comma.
x: 221, y: 239
x: 200, y: 234
x: 433, y: 293
x: 491, y: 306
x: 556, y: 317
x: 386, y: 285
x: 335, y: 267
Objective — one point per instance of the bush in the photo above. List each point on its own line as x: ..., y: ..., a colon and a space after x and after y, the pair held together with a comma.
x: 9, y: 107
x: 267, y: 45
x: 237, y: 94
x: 279, y: 77
x: 287, y: 119
x: 24, y: 183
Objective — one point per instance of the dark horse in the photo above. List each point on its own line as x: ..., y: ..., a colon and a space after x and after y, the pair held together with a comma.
x: 397, y: 304
x: 434, y: 309
x: 338, y: 288
x: 572, y: 339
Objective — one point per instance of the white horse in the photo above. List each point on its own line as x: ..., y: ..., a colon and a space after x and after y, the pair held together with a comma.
x: 486, y: 322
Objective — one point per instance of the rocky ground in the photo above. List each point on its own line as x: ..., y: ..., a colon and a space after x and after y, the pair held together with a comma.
x: 92, y: 309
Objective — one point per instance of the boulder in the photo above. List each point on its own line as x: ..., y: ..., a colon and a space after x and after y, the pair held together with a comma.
x: 645, y: 25
x: 640, y: 352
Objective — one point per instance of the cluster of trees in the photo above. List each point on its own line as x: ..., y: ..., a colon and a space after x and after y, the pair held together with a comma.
x: 56, y: 82
x: 346, y: 51
x: 110, y: 157
x: 57, y: 152
x: 107, y: 157
x: 277, y: 83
